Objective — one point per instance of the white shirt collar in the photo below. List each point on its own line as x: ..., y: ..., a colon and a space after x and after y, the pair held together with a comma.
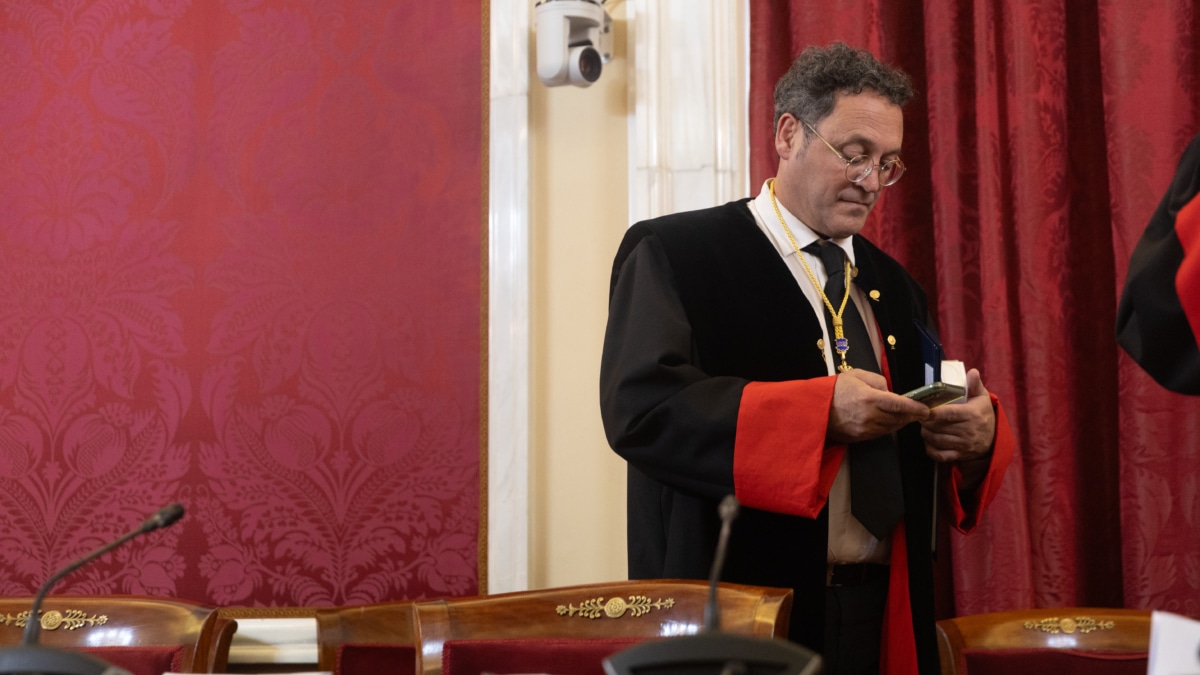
x: 803, y: 233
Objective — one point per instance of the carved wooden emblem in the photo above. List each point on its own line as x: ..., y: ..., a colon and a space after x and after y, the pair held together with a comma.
x: 615, y: 608
x: 69, y: 619
x: 1079, y: 624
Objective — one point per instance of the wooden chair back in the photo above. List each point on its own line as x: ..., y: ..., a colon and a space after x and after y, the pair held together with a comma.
x: 1089, y: 636
x: 384, y: 628
x: 623, y: 610
x: 269, y: 636
x: 195, y: 638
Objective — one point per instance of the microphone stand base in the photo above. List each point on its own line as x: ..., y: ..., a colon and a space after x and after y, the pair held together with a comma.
x: 716, y: 653
x: 21, y: 659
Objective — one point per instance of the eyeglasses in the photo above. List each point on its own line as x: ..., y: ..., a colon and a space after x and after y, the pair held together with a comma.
x: 859, y: 167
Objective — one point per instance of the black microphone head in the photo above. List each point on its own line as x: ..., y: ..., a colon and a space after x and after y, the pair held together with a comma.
x: 165, y: 517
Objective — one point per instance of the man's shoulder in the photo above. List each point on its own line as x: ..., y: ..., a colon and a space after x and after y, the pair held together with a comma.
x: 696, y: 221
x: 686, y: 230
x: 696, y: 239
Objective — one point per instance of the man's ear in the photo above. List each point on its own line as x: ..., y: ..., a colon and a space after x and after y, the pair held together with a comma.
x: 787, y: 135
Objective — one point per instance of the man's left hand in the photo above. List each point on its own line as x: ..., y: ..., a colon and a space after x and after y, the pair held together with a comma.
x: 962, y: 432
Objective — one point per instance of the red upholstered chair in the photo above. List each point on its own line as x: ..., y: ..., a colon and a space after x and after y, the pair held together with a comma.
x: 367, y: 639
x: 570, y: 630
x: 146, y: 636
x: 1065, y: 640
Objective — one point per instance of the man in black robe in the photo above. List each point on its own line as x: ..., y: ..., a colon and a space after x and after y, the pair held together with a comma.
x: 720, y: 375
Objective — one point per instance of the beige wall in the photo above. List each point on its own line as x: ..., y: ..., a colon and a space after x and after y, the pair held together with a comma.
x: 579, y: 207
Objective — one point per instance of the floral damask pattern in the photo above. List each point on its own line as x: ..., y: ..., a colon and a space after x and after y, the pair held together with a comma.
x: 238, y: 275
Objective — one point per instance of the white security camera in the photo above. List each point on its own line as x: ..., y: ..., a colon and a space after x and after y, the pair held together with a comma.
x: 574, y: 40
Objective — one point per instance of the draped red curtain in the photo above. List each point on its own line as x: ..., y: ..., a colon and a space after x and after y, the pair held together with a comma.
x: 1043, y: 137
x: 241, y: 268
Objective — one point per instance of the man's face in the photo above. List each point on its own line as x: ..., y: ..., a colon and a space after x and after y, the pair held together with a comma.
x: 812, y: 181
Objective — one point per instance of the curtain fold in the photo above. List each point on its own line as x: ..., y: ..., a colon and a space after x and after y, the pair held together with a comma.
x: 1043, y: 137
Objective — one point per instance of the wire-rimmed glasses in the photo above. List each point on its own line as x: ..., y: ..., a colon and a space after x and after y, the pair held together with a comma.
x: 861, y: 166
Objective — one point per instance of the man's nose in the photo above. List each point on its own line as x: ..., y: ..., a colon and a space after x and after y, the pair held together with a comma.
x: 871, y: 182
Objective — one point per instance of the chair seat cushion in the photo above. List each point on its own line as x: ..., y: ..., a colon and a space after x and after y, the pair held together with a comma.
x: 370, y: 659
x: 1058, y: 661
x: 141, y: 660
x: 561, y: 656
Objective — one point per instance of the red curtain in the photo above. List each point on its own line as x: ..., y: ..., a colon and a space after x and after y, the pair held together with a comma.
x: 241, y: 268
x: 1043, y: 137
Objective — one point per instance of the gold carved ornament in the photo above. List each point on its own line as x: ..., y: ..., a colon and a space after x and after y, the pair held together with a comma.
x: 69, y: 619
x: 615, y: 608
x: 1079, y: 624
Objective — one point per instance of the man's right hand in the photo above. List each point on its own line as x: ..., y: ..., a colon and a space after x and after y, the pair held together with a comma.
x: 863, y: 408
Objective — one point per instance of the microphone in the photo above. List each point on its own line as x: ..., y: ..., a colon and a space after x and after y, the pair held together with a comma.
x: 711, y: 651
x: 164, y: 517
x: 728, y: 510
x: 28, y: 657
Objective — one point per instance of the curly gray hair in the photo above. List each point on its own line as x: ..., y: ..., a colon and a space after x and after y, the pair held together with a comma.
x: 808, y: 90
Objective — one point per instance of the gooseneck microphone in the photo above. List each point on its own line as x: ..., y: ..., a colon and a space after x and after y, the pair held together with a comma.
x: 164, y: 517
x: 728, y: 510
x: 28, y: 657
x: 712, y: 652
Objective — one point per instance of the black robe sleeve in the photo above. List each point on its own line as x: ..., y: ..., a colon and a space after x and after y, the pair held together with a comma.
x: 661, y: 412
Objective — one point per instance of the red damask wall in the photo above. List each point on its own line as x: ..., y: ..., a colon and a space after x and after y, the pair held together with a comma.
x: 240, y: 268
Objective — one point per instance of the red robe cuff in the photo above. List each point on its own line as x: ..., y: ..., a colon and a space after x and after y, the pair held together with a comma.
x: 780, y: 462
x: 965, y: 517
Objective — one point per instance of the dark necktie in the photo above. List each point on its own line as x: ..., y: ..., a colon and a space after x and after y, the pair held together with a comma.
x: 876, y: 497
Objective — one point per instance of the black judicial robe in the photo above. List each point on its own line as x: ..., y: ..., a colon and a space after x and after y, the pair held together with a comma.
x: 1159, y: 313
x: 704, y: 316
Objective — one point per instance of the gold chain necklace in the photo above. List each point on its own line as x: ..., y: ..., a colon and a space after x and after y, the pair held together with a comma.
x: 839, y: 334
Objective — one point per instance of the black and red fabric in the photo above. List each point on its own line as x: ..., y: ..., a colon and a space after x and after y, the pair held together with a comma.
x: 1159, y: 313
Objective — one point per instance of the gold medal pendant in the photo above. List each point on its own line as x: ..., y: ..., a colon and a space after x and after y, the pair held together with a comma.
x: 841, y: 344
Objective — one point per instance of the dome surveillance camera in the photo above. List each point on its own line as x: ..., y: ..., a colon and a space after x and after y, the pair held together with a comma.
x: 585, y: 65
x: 574, y: 40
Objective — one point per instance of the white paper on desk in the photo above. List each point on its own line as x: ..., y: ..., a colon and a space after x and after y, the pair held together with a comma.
x: 1174, y: 645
